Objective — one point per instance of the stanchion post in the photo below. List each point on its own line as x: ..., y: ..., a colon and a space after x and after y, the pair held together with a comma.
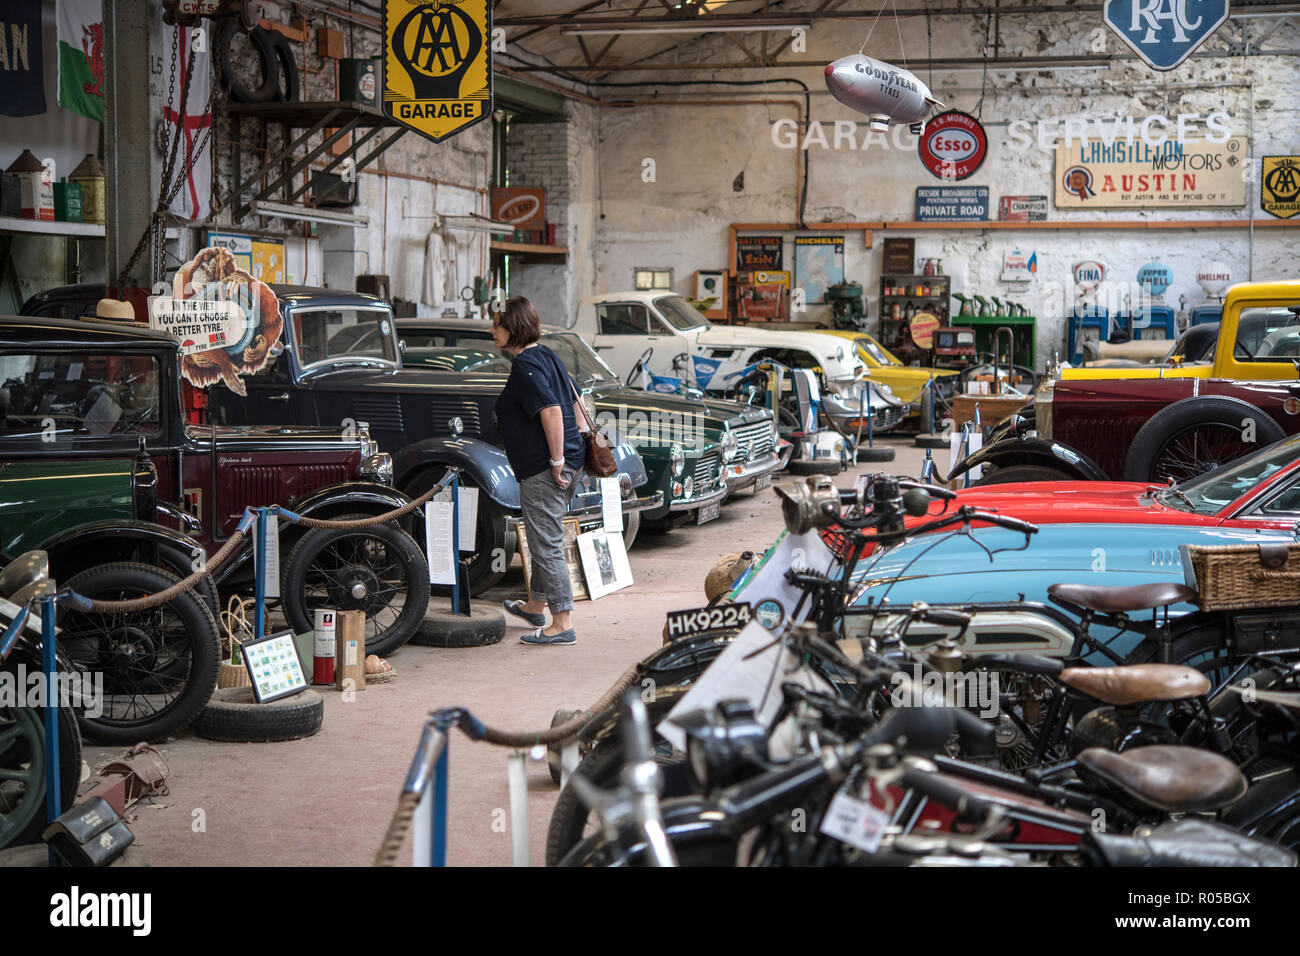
x: 259, y: 613
x: 53, y: 790
x: 934, y: 398
x: 455, y: 545
x: 440, y: 807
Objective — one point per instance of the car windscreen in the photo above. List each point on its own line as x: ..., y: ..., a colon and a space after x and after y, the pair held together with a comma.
x: 586, y: 367
x: 50, y: 395
x: 457, y: 359
x: 873, y: 349
x: 417, y: 337
x: 1213, y: 491
x: 1269, y: 334
x: 680, y: 314
x: 324, y: 335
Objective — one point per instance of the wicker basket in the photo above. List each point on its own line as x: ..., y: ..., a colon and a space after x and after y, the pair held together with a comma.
x: 1233, y: 577
x: 233, y: 675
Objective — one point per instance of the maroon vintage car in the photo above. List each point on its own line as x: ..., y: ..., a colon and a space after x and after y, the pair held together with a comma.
x: 1162, y: 424
x: 96, y: 390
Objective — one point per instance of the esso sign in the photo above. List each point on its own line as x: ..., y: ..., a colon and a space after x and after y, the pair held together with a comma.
x: 953, y: 145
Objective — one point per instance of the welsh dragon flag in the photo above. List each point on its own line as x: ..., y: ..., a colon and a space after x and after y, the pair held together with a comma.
x: 81, y: 57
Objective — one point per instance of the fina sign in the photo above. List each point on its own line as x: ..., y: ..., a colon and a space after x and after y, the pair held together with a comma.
x: 438, y: 64
x: 1164, y: 33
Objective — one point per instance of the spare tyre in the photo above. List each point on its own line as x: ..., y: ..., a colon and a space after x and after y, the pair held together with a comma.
x: 1196, y: 435
x: 234, y: 714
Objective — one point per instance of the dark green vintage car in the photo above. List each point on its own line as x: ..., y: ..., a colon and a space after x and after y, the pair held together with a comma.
x: 696, y: 450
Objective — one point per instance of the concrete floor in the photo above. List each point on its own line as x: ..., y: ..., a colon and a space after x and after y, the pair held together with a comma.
x: 327, y: 799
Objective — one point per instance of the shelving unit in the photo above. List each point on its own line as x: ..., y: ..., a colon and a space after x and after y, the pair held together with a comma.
x: 917, y: 293
x: 82, y: 230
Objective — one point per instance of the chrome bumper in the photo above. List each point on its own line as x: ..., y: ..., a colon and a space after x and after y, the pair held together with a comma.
x: 738, y: 476
x: 882, y: 419
x: 690, y: 504
x: 594, y: 512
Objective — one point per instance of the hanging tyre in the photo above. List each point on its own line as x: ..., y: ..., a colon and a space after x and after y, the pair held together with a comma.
x: 22, y: 770
x: 379, y: 570
x: 268, y: 64
x: 234, y: 714
x: 1196, y: 435
x: 158, y: 667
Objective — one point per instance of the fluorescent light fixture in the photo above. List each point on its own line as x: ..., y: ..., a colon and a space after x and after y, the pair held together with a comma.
x: 473, y: 223
x: 702, y: 27
x: 282, y: 211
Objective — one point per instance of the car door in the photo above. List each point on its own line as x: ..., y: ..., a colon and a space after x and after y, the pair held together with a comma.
x: 624, y: 330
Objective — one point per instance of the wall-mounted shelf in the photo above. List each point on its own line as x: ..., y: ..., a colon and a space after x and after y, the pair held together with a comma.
x: 527, y: 248
x: 88, y: 230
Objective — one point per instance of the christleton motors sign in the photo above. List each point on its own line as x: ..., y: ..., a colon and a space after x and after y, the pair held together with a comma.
x: 1165, y: 32
x: 438, y: 69
x: 1091, y: 174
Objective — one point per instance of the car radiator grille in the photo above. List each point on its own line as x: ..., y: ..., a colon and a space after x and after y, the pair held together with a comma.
x: 1104, y: 439
x: 445, y: 409
x: 888, y: 417
x: 706, y: 468
x: 754, y: 440
x: 381, y: 414
x: 253, y: 486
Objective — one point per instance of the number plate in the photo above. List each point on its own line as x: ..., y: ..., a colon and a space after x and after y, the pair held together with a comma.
x: 709, y: 511
x: 763, y: 481
x: 701, y: 619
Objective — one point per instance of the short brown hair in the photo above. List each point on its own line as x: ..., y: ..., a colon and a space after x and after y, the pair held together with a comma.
x: 521, y: 322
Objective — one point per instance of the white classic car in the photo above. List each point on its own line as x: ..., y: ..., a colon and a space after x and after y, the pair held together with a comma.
x: 622, y: 326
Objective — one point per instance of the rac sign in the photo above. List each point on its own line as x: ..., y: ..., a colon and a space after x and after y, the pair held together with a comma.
x: 1165, y: 32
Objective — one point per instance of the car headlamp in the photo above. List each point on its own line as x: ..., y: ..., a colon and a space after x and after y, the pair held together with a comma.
x: 688, y: 489
x: 378, y: 468
x: 730, y: 445
x: 369, y: 447
x: 677, y: 458
x: 813, y: 503
x: 839, y: 353
x: 724, y: 744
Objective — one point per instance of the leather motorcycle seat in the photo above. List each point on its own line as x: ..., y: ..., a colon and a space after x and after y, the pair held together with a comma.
x: 1136, y: 683
x: 1170, y: 778
x: 1118, y: 600
x: 1186, y: 842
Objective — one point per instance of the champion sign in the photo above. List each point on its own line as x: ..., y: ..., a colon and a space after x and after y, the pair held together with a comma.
x: 953, y: 145
x: 1165, y: 32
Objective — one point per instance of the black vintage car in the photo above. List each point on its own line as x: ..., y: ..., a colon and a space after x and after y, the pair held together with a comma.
x: 342, y: 366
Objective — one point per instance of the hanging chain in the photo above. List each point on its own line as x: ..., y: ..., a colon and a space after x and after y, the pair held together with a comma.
x: 984, y: 78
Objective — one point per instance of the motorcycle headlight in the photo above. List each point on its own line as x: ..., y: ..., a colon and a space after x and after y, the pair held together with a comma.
x: 730, y: 445
x: 809, y: 504
x: 378, y: 467
x: 724, y: 744
x: 677, y: 458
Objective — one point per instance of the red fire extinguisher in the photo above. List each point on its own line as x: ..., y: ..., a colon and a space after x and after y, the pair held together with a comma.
x: 322, y: 671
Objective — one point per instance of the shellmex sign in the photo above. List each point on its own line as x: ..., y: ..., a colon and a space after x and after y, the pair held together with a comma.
x: 438, y: 64
x: 953, y: 145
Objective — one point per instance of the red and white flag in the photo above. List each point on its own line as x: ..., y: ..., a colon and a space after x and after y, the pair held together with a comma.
x: 194, y: 199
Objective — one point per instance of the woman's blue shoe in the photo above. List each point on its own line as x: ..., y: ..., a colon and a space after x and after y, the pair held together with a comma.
x: 517, y: 609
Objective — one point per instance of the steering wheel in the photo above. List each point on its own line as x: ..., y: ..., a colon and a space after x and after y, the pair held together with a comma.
x: 642, y: 362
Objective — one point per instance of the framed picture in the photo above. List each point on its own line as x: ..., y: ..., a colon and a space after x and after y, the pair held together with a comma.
x: 571, y: 558
x: 604, y: 562
x: 273, y: 667
x: 712, y: 285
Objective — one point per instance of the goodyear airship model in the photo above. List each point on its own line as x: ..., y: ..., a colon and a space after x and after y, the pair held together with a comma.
x: 886, y: 93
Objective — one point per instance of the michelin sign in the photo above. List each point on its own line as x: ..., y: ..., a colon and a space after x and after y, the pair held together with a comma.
x: 438, y: 64
x: 1165, y: 32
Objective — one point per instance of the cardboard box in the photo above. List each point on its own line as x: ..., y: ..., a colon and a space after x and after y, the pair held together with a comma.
x: 350, y: 650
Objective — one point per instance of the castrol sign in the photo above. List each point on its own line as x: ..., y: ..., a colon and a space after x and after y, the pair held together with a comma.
x: 953, y: 145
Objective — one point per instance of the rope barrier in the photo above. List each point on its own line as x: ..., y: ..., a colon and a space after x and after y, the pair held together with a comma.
x: 150, y: 601
x: 398, y: 827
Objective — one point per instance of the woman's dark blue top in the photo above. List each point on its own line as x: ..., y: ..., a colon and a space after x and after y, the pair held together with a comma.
x: 538, y: 379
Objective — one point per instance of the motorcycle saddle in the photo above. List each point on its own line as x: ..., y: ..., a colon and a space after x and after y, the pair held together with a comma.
x: 1120, y: 600
x: 1170, y: 778
x: 1186, y: 842
x: 1136, y: 683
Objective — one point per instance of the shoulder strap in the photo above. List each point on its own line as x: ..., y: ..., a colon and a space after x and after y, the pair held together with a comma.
x: 577, y: 397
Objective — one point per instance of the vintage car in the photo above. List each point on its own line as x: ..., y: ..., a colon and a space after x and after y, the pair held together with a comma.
x: 343, y: 366
x: 85, y: 391
x: 1159, y: 424
x: 695, y: 450
x: 907, y: 382
x: 1196, y: 344
x: 622, y: 326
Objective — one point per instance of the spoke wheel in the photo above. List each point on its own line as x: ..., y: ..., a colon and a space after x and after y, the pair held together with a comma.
x: 1197, y: 450
x: 22, y: 770
x: 379, y: 571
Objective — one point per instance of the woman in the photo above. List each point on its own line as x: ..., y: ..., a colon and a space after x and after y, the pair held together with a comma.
x: 538, y: 417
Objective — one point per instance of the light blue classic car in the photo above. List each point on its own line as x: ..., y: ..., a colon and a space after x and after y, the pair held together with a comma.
x: 954, y: 569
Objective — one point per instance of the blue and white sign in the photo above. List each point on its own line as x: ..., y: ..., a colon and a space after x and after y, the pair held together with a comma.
x: 1155, y: 278
x: 1165, y: 32
x: 952, y: 203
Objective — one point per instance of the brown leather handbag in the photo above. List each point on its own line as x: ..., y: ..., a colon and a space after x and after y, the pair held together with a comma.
x: 600, y: 458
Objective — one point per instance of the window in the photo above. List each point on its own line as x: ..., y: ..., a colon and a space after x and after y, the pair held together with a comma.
x: 325, y: 334
x: 624, y: 318
x: 1267, y: 335
x: 647, y: 280
x: 680, y: 314
x: 77, y: 394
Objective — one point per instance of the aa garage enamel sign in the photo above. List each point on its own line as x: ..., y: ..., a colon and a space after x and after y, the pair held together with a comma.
x: 438, y: 64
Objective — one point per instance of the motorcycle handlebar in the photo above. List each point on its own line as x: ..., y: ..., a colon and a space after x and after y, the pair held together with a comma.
x: 1002, y: 521
x: 949, y: 793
